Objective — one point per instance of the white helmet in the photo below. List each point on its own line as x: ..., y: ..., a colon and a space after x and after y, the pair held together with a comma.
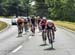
x: 50, y: 21
x: 19, y: 17
x: 44, y: 18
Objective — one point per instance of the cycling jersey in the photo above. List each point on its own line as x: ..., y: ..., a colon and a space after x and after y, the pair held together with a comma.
x: 33, y: 21
x: 43, y: 24
x: 50, y: 26
x: 39, y: 21
x: 25, y: 21
x: 19, y: 21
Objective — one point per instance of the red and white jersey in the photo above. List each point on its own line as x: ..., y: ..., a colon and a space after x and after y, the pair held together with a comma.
x: 20, y: 20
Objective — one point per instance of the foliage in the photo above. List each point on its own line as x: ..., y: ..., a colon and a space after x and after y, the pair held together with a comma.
x: 54, y: 9
x: 61, y: 9
x: 16, y: 7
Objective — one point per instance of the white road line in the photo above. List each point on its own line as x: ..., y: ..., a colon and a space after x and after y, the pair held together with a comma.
x: 17, y: 49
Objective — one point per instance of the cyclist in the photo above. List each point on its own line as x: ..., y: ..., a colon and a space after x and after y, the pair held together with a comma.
x: 28, y: 19
x: 50, y: 25
x: 33, y: 24
x: 26, y: 24
x: 20, y: 22
x: 43, y: 27
x: 38, y: 21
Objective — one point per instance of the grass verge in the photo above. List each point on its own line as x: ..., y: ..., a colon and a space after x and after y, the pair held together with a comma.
x: 66, y: 24
x: 9, y: 17
x: 2, y: 25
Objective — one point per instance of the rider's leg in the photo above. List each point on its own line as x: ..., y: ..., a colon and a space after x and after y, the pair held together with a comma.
x: 22, y: 29
x: 19, y: 29
x: 26, y: 27
x: 48, y: 36
x: 43, y: 36
x: 53, y: 34
x: 33, y: 28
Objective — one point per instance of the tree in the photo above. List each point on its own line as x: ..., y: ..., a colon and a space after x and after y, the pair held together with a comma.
x: 61, y: 9
x: 41, y: 8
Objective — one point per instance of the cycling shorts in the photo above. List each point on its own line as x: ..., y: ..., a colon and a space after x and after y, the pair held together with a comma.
x: 43, y: 27
x: 25, y: 22
x: 20, y: 23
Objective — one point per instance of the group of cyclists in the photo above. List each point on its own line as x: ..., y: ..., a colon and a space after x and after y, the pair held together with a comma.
x: 46, y: 26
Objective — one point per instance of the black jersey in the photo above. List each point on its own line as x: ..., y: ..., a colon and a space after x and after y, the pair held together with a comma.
x: 33, y: 21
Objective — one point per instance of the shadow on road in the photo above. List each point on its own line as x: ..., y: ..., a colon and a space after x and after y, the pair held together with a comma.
x: 43, y: 44
x: 48, y: 49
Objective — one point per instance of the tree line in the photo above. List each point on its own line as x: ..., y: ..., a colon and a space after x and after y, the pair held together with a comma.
x: 54, y: 9
x: 14, y: 7
x: 61, y: 9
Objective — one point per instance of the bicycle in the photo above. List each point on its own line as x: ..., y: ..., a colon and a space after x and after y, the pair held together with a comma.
x: 50, y: 37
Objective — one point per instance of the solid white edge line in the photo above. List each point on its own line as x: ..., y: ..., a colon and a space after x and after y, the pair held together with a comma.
x: 17, y: 49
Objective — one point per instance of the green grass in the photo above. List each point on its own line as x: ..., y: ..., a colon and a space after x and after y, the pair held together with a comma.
x: 2, y: 25
x: 9, y: 17
x: 68, y: 25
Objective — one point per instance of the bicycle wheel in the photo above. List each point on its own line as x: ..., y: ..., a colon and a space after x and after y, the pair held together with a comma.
x: 44, y: 36
x: 50, y: 37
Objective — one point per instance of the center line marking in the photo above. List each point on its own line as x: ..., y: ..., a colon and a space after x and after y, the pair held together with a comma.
x: 17, y: 49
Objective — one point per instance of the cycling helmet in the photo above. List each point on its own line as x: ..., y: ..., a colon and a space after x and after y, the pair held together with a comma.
x: 50, y: 21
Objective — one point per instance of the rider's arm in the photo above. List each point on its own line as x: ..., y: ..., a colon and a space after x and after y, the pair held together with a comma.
x: 40, y: 23
x: 46, y: 24
x: 54, y: 27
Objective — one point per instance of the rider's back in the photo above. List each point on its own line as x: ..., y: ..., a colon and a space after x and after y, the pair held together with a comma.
x: 19, y: 20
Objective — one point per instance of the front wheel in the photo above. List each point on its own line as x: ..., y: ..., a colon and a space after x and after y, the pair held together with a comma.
x: 44, y: 36
x: 50, y: 37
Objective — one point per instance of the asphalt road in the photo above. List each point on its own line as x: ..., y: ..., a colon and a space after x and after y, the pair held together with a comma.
x: 9, y: 38
x: 63, y: 45
x: 10, y: 44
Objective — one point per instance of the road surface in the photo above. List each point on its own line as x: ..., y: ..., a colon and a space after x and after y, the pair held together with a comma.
x: 10, y: 44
